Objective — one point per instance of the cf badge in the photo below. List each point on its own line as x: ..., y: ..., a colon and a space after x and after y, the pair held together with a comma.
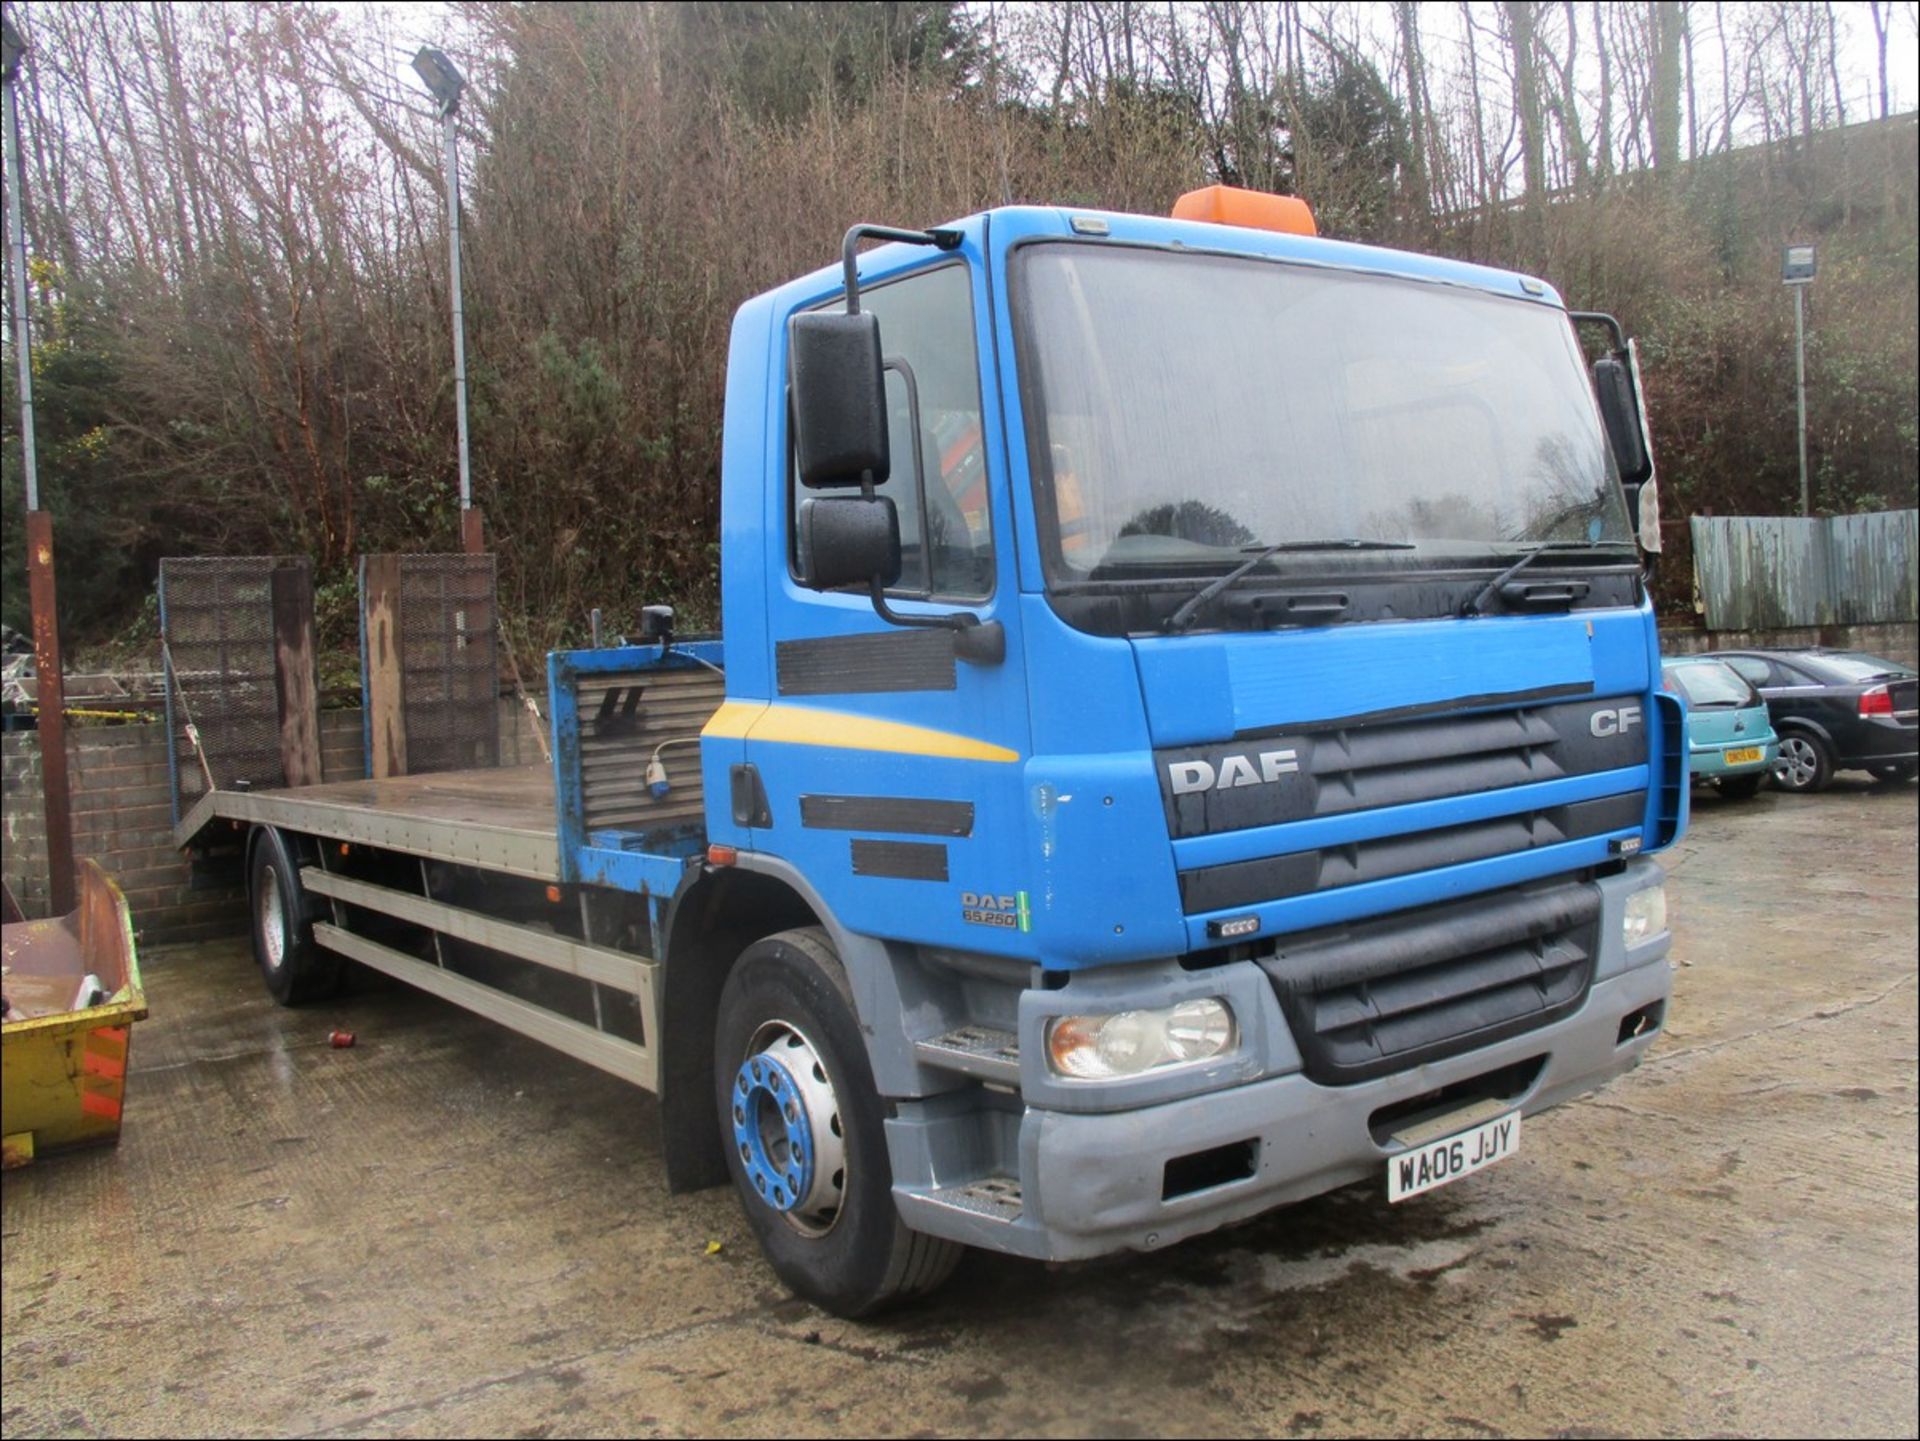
x: 1604, y: 723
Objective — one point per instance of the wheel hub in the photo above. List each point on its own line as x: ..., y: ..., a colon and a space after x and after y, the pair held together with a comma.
x: 1796, y: 764
x: 273, y: 926
x: 787, y: 1130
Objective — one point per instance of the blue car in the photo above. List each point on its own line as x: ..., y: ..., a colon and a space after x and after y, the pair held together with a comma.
x: 1730, y: 740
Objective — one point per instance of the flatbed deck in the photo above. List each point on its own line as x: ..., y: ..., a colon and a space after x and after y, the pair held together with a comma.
x: 500, y: 819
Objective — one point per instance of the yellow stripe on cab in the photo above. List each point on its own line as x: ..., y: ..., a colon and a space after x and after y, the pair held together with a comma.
x: 842, y: 730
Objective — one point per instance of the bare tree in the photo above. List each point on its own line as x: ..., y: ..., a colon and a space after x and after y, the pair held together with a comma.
x: 1526, y: 101
x: 1880, y: 49
x: 1665, y: 28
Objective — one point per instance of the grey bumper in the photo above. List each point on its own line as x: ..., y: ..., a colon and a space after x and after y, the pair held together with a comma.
x: 1093, y: 1183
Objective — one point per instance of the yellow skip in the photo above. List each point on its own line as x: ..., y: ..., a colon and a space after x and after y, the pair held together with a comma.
x: 802, y: 725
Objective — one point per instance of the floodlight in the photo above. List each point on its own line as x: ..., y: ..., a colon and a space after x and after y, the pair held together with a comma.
x: 12, y: 47
x: 441, y: 77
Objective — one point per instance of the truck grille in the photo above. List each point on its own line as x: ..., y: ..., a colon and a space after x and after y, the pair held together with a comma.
x: 1332, y: 771
x: 1385, y: 994
x: 1299, y: 873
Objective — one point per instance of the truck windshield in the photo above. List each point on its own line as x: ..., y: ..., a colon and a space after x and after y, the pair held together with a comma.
x: 1188, y: 410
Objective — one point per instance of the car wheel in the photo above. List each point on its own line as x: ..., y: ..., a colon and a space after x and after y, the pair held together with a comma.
x: 295, y: 967
x: 804, y: 1129
x: 1805, y: 764
x: 1897, y: 771
x: 1741, y: 788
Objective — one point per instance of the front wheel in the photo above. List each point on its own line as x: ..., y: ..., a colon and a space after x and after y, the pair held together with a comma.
x: 804, y: 1130
x: 1741, y: 788
x: 1805, y: 764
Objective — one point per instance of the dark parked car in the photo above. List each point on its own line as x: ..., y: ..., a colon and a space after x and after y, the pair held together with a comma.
x: 1835, y: 710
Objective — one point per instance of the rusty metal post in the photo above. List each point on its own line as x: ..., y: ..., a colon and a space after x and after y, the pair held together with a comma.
x: 50, y: 694
x: 473, y: 531
x: 50, y: 689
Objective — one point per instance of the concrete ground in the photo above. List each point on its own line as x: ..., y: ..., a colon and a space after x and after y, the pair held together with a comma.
x: 449, y: 1231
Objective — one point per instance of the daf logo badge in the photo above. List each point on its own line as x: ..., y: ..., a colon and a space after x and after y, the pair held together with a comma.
x: 1234, y: 771
x: 1617, y: 722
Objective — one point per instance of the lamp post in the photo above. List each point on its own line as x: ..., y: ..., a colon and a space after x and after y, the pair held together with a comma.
x: 49, y: 684
x: 444, y: 81
x: 1797, y: 265
x: 12, y: 47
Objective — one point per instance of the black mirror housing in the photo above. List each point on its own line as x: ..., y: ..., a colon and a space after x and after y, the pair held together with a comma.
x: 848, y: 540
x: 1620, y: 412
x: 839, y: 398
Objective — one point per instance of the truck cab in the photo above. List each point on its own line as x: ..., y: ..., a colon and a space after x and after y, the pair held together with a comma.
x: 1195, y: 686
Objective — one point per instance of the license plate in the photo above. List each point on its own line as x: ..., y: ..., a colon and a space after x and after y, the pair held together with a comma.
x: 1421, y: 1168
x: 1744, y: 755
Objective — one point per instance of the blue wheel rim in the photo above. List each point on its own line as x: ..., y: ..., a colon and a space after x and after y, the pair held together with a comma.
x: 771, y: 1132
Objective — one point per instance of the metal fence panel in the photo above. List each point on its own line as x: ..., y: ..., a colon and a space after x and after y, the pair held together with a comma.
x: 216, y: 614
x: 1772, y: 572
x: 449, y: 661
x: 1871, y: 568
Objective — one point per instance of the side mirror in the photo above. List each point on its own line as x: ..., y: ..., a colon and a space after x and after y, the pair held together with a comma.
x: 846, y: 540
x: 1620, y: 411
x: 839, y: 399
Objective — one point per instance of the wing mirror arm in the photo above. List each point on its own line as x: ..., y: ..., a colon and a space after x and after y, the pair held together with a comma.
x: 1623, y: 411
x: 838, y: 403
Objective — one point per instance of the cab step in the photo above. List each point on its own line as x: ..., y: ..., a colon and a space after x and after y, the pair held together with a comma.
x: 997, y: 1198
x: 983, y: 1052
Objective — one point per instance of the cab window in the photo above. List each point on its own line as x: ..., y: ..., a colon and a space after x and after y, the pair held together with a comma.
x: 938, y: 479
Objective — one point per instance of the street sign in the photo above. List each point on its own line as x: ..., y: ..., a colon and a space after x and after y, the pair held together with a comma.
x: 1796, y: 264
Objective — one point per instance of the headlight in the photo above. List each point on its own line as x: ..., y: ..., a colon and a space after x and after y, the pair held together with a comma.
x: 1646, y: 915
x: 1131, y: 1043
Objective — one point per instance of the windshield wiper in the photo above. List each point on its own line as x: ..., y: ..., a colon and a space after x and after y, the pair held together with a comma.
x: 1472, y: 605
x: 1194, y: 604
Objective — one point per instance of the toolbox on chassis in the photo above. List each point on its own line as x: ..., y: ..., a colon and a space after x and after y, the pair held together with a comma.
x: 1187, y: 737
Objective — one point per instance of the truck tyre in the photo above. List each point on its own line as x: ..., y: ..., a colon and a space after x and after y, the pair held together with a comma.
x: 1741, y: 788
x: 803, y: 1129
x: 1805, y: 763
x: 295, y: 967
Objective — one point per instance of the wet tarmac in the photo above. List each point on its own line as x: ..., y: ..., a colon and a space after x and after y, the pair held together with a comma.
x: 449, y: 1231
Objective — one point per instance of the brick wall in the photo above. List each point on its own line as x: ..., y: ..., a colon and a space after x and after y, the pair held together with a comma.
x: 123, y: 817
x: 1899, y: 641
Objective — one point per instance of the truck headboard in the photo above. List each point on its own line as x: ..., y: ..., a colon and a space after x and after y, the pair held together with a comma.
x: 615, y: 711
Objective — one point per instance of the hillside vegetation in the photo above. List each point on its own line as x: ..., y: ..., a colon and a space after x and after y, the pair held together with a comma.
x: 238, y: 254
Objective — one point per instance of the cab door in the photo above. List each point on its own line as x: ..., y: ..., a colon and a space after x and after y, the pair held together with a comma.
x: 892, y: 767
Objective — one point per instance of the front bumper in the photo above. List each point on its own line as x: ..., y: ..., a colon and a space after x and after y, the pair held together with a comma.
x: 1096, y: 1183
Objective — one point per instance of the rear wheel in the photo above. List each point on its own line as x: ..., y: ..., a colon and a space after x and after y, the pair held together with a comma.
x: 805, y: 1134
x: 1741, y: 788
x: 1805, y: 763
x: 293, y: 965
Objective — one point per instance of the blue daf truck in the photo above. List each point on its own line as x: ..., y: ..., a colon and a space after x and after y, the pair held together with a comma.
x: 1188, y: 736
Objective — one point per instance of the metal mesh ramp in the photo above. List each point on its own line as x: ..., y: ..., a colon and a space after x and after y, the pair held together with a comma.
x: 216, y: 614
x: 442, y: 610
